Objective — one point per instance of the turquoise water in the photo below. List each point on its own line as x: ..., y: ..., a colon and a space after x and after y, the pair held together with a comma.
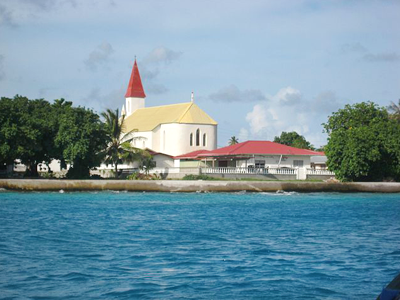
x: 197, y: 246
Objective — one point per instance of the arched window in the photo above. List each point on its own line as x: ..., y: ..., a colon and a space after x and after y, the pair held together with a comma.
x: 198, y: 137
x: 204, y: 139
x: 191, y: 139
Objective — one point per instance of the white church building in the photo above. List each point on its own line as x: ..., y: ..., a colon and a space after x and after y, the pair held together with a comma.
x: 168, y: 130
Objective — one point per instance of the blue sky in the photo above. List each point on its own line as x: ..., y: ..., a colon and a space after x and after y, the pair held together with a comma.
x: 257, y: 67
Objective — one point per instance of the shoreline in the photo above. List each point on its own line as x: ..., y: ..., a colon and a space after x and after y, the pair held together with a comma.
x: 196, y: 186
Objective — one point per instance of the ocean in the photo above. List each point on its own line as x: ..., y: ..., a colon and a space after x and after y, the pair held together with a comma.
x: 111, y: 245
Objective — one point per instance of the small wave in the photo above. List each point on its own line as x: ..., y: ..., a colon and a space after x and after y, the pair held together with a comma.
x: 76, y: 276
x: 262, y: 252
x: 318, y: 275
x: 241, y: 192
x: 84, y: 255
x: 141, y: 289
x: 325, y: 291
x: 282, y: 192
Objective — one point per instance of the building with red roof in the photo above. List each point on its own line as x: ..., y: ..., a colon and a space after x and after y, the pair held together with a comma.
x: 252, y: 154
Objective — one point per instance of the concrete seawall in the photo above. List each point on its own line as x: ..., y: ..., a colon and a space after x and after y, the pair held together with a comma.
x: 195, y: 186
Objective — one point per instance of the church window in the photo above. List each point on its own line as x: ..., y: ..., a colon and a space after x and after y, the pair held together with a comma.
x: 191, y: 139
x: 198, y: 137
x: 204, y: 139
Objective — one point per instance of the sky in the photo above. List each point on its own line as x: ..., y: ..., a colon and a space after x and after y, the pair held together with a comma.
x: 257, y: 67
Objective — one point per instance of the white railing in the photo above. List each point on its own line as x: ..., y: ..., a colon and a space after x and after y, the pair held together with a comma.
x: 175, y: 170
x: 239, y: 170
x: 319, y: 172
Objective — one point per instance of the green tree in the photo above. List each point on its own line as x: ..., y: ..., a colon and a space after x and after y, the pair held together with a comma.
x: 147, y: 163
x: 233, y: 141
x: 118, y: 147
x: 293, y: 139
x: 81, y: 136
x: 394, y: 110
x: 8, y: 131
x: 26, y: 132
x: 363, y: 143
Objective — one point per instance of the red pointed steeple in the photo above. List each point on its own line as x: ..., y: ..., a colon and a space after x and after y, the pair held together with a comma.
x: 135, y: 87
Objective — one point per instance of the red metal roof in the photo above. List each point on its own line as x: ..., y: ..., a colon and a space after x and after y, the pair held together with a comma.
x: 250, y: 148
x: 135, y: 87
x: 152, y: 152
x: 192, y: 155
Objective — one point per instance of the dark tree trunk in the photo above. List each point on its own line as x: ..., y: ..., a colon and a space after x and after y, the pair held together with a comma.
x: 116, y: 169
x: 32, y: 170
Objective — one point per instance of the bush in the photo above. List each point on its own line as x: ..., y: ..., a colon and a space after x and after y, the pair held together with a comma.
x: 141, y: 176
x: 46, y: 175
x: 198, y: 177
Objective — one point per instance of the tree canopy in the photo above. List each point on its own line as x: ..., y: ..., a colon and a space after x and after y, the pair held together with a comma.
x: 25, y: 131
x: 394, y: 110
x: 36, y: 131
x: 81, y: 136
x: 363, y: 143
x: 293, y: 139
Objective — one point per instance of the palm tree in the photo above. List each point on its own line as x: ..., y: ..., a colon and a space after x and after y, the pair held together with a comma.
x: 147, y: 163
x: 119, y: 147
x: 395, y: 110
x: 233, y: 141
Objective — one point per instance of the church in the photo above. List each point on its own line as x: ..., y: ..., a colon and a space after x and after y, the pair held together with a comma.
x: 171, y: 130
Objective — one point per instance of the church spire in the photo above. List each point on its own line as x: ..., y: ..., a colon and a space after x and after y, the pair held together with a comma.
x: 135, y: 87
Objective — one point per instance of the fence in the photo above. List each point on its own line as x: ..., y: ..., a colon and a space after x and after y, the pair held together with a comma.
x: 239, y: 170
x: 320, y: 172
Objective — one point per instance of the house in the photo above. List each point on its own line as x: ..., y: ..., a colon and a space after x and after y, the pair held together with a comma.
x: 172, y: 129
x: 260, y: 159
x: 253, y: 154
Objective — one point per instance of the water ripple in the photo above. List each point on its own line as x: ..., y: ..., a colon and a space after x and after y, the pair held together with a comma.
x: 110, y: 245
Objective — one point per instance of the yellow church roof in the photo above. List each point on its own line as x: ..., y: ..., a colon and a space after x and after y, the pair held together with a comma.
x: 146, y: 119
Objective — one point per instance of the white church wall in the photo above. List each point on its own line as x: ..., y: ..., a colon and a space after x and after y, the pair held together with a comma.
x: 142, y: 140
x: 175, y: 138
x: 157, y: 140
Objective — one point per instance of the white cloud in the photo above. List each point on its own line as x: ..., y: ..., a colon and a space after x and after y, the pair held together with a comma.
x: 288, y: 96
x: 353, y: 47
x: 6, y: 17
x: 243, y: 135
x: 100, y: 56
x: 233, y: 94
x: 162, y: 55
x: 100, y: 101
x: 155, y: 88
x: 259, y: 119
x: 326, y: 102
x: 367, y: 55
x: 382, y: 57
x: 288, y: 110
x: 156, y: 60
